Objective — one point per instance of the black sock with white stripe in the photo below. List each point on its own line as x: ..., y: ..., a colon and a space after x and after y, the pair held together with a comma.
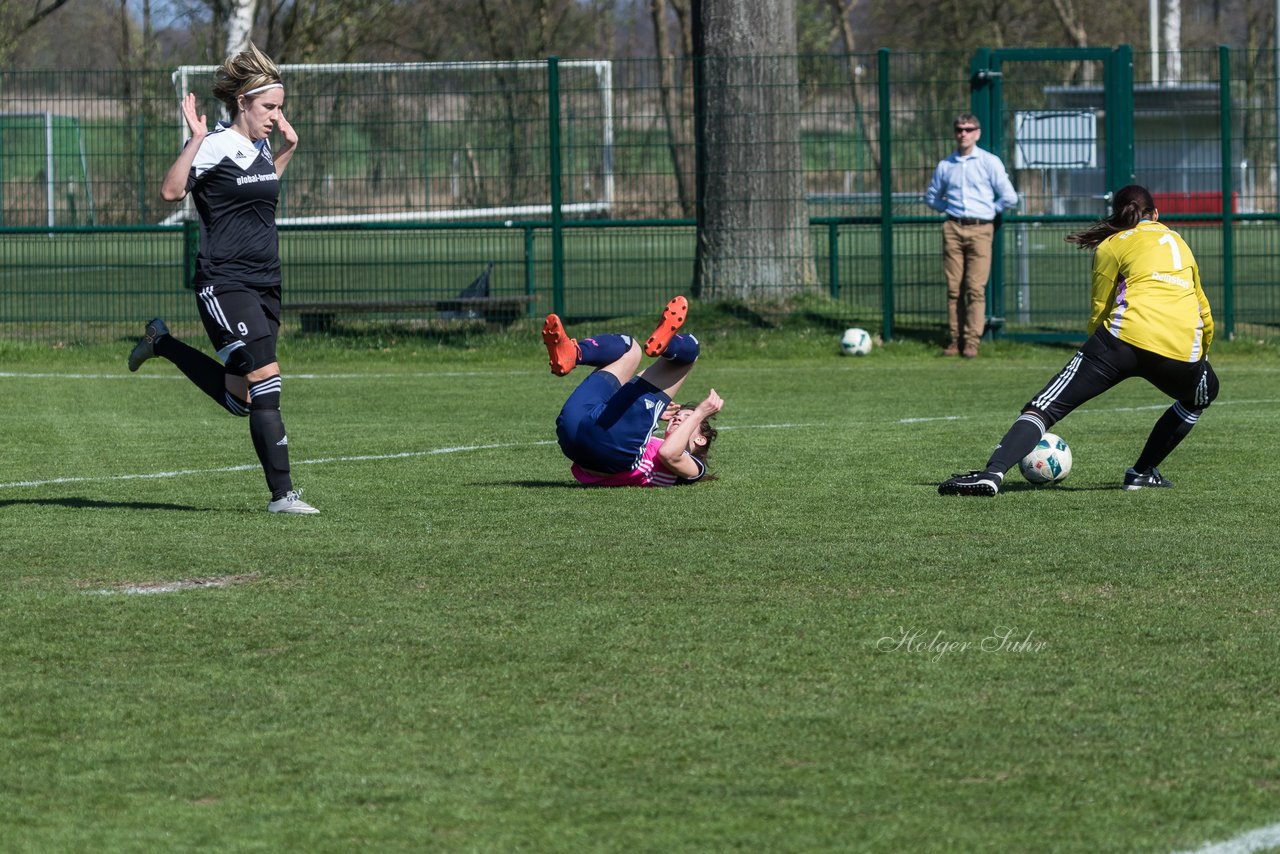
x: 266, y: 427
x: 1016, y: 444
x: 1170, y: 430
x: 206, y: 372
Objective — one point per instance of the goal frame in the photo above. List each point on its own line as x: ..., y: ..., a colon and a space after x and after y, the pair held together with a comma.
x: 52, y: 178
x: 602, y: 68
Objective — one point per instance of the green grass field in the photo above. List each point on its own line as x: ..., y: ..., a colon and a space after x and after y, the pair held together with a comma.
x: 464, y: 651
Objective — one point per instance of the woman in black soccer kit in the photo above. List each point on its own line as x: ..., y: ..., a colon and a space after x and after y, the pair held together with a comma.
x: 233, y: 177
x: 1149, y: 318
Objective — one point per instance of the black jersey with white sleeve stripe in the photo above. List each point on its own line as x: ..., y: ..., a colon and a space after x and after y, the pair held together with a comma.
x: 235, y: 188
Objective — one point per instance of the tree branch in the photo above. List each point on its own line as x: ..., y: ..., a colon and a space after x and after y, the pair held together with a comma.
x: 1067, y: 16
x: 40, y: 14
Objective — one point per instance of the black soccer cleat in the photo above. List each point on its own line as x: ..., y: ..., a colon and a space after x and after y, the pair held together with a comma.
x: 146, y: 346
x: 1134, y: 479
x: 982, y: 483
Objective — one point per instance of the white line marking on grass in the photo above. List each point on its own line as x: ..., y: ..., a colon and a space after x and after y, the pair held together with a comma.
x: 1167, y: 405
x: 253, y: 467
x: 1090, y: 410
x: 22, y: 484
x: 53, y: 481
x: 25, y: 375
x: 22, y: 375
x: 317, y: 461
x: 411, y: 375
x: 403, y: 455
x: 1262, y: 839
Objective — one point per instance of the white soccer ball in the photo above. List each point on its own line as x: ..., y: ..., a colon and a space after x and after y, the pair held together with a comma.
x: 855, y: 342
x: 1048, y: 462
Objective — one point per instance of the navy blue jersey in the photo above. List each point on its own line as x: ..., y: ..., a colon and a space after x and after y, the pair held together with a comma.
x: 234, y: 185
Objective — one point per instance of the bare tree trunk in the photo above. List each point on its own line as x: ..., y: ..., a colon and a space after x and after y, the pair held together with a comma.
x: 1172, y: 27
x: 684, y: 17
x: 1080, y: 72
x: 218, y: 30
x: 148, y: 35
x: 507, y: 87
x: 753, y: 224
x: 240, y: 25
x: 679, y: 143
x: 841, y: 10
x: 126, y: 46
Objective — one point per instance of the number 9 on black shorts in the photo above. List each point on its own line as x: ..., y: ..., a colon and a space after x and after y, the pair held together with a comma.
x: 236, y: 316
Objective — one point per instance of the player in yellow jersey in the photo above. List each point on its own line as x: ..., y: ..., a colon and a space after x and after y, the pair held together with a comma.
x: 1149, y: 318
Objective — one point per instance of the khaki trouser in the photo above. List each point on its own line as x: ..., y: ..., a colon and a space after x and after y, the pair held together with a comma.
x: 966, y: 261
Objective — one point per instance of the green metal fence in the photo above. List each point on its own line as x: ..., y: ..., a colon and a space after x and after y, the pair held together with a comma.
x: 577, y: 180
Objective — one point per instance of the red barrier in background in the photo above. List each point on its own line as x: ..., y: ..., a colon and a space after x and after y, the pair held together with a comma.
x: 1206, y: 202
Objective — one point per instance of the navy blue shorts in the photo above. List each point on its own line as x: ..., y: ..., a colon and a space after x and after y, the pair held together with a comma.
x: 604, y: 425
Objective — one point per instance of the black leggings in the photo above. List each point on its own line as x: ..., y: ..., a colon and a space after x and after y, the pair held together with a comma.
x: 1105, y: 361
x: 1101, y: 364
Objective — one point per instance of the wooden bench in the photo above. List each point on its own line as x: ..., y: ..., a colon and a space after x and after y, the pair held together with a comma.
x: 319, y: 315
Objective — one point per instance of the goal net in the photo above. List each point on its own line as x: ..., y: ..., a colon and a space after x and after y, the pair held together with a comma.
x: 44, y: 173
x: 421, y: 142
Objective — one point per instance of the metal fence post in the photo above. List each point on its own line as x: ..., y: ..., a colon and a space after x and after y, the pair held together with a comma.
x: 986, y: 88
x: 190, y: 249
x: 886, y: 195
x: 557, y: 214
x: 140, y: 135
x: 1118, y: 101
x: 530, y: 281
x: 1228, y: 322
x: 979, y: 90
x: 833, y: 257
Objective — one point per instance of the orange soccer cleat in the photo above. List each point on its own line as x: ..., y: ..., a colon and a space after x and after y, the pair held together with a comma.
x: 672, y: 319
x: 562, y: 349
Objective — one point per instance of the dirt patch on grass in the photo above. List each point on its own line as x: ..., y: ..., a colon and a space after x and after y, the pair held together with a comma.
x: 140, y: 588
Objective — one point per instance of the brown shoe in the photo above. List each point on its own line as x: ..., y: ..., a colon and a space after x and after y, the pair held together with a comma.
x: 970, y: 351
x: 952, y: 349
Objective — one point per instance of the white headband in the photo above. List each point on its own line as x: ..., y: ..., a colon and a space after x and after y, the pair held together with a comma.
x: 264, y: 88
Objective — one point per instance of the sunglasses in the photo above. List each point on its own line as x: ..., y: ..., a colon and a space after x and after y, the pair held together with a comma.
x: 966, y: 128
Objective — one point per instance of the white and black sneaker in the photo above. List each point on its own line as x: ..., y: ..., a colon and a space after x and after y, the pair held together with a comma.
x: 291, y: 503
x: 985, y: 483
x: 146, y: 346
x: 1134, y: 479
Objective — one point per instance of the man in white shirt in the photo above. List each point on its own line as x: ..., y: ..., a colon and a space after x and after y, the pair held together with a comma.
x: 972, y: 188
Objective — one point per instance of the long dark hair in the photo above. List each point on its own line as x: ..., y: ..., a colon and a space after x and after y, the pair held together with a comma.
x: 1129, y: 206
x: 706, y: 431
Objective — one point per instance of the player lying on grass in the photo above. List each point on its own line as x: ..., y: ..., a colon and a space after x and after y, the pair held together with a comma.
x: 606, y: 426
x: 1150, y: 319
